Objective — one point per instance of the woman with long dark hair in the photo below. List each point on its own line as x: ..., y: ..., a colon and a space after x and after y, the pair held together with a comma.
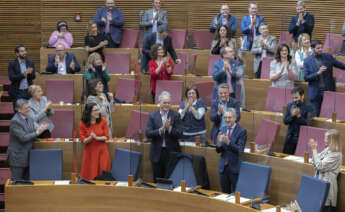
x: 283, y: 70
x: 223, y: 38
x: 94, y: 132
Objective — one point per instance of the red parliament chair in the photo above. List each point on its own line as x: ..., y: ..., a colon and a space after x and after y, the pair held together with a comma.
x: 178, y: 37
x: 64, y: 122
x: 266, y: 67
x: 334, y: 42
x: 126, y: 89
x: 174, y: 87
x: 6, y: 111
x: 205, y: 91
x: 202, y: 39
x: 129, y: 38
x: 118, y: 63
x: 60, y: 90
x: 277, y: 98
x: 4, y: 139
x: 285, y: 37
x: 137, y: 122
x: 187, y: 63
x: 305, y: 134
x: 212, y: 58
x: 328, y: 104
x: 339, y: 105
x: 339, y: 74
x: 5, y: 81
x: 267, y: 134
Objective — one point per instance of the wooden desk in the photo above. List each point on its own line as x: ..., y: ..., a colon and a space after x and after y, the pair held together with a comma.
x: 84, y: 198
x: 285, y: 176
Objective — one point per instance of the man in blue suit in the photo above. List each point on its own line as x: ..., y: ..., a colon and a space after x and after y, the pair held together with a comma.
x: 303, y: 22
x: 110, y: 20
x: 231, y: 141
x: 63, y: 62
x: 226, y: 70
x: 161, y: 36
x: 224, y: 18
x: 219, y: 106
x: 250, y: 26
x: 318, y: 72
x: 164, y: 128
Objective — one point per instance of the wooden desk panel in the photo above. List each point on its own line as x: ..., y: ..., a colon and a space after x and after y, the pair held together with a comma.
x: 84, y: 198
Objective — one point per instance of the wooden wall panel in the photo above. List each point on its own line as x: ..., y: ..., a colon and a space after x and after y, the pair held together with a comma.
x: 32, y: 21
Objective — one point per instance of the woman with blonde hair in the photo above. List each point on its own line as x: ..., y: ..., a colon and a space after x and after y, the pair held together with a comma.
x: 304, y: 50
x: 327, y: 165
x: 40, y: 109
x: 94, y: 40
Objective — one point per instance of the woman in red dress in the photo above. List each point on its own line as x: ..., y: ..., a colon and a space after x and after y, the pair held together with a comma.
x: 93, y: 130
x: 160, y: 67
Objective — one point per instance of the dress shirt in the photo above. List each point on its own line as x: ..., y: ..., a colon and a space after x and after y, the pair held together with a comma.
x: 154, y: 23
x: 164, y: 118
x: 201, y: 112
x: 24, y: 82
x: 62, y: 67
x: 225, y: 107
x: 160, y: 41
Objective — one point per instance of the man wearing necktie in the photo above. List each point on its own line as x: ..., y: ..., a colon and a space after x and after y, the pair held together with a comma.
x: 110, y: 21
x: 23, y: 134
x: 163, y: 128
x: 230, y: 143
x: 153, y: 18
x: 250, y: 26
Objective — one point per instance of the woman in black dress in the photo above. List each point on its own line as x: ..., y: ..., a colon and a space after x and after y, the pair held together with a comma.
x: 95, y: 41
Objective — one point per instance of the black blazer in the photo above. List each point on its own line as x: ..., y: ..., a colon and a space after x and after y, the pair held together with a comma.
x: 69, y: 57
x: 15, y: 75
x: 306, y: 27
x: 149, y: 41
x: 154, y: 122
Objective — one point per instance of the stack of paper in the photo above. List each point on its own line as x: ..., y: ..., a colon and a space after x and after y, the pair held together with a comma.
x: 295, y: 158
x: 178, y: 189
x: 274, y: 210
x: 124, y: 184
x: 187, y: 143
x: 231, y: 198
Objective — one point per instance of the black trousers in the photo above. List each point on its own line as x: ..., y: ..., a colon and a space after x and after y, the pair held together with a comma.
x: 258, y: 73
x: 159, y: 168
x: 45, y: 134
x: 290, y: 146
x: 111, y: 43
x: 19, y: 173
x: 228, y: 180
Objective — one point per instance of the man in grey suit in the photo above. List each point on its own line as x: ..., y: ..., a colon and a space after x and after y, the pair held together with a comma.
x: 153, y: 18
x: 264, y: 46
x: 23, y: 133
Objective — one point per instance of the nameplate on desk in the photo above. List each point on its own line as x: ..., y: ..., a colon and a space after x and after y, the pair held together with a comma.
x: 62, y: 182
x: 231, y: 198
x: 122, y: 184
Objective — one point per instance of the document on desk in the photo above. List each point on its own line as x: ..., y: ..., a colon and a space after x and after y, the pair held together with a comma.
x: 178, y: 189
x: 124, y: 184
x: 187, y: 143
x: 231, y: 198
x: 61, y: 182
x: 295, y: 158
x: 274, y: 210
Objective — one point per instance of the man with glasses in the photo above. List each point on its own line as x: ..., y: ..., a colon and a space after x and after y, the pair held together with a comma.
x: 62, y: 62
x: 110, y: 20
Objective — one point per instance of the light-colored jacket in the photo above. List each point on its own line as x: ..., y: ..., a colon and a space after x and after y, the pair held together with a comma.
x: 327, y: 166
x: 257, y: 51
x: 37, y: 113
x: 105, y: 108
x: 299, y: 58
x: 284, y: 81
x: 146, y: 20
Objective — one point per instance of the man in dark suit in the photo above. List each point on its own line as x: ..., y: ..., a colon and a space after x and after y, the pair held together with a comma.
x: 163, y: 127
x: 250, y: 26
x: 219, y: 106
x: 161, y: 37
x: 303, y: 22
x: 224, y: 18
x: 231, y: 140
x: 298, y: 113
x: 63, y: 62
x: 318, y: 72
x: 110, y: 20
x: 23, y: 133
x: 21, y: 72
x: 153, y: 18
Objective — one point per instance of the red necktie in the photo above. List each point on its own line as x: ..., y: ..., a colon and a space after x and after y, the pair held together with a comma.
x: 253, y: 28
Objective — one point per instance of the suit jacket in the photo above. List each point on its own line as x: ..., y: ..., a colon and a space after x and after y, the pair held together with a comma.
x: 247, y: 30
x: 306, y: 27
x: 69, y: 57
x: 307, y: 114
x: 216, y: 117
x: 310, y: 70
x: 15, y: 75
x: 219, y: 75
x: 37, y: 113
x: 232, y: 152
x: 149, y: 41
x: 232, y: 23
x: 116, y: 23
x: 271, y: 43
x: 22, y: 138
x: 154, y: 122
x: 146, y: 20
